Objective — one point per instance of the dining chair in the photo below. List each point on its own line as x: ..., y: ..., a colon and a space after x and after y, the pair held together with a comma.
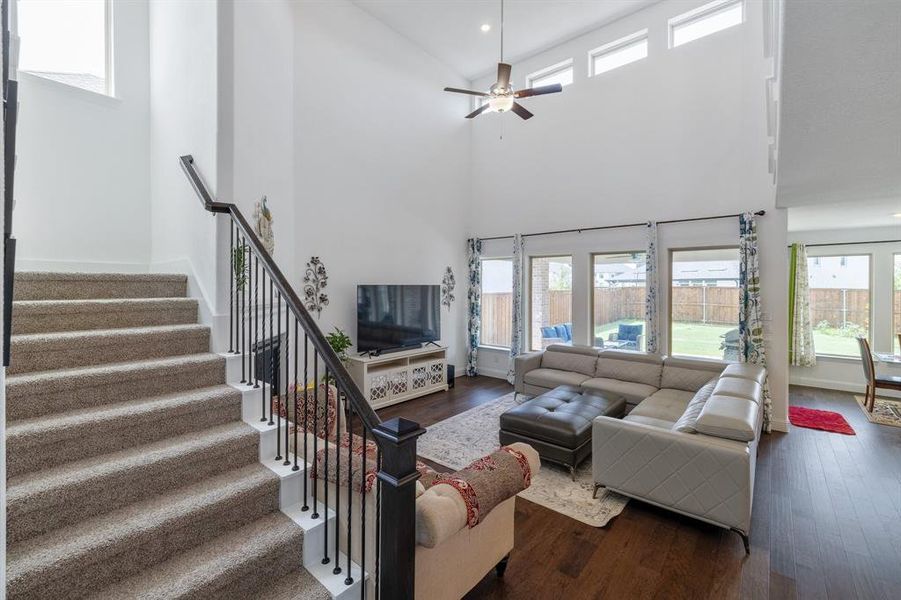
x: 874, y: 381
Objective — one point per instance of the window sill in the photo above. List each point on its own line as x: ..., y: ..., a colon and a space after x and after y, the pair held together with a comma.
x: 500, y: 348
x: 838, y: 357
x: 65, y: 88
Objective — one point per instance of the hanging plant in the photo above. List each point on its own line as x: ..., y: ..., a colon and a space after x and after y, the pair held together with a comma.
x: 447, y: 288
x: 240, y: 266
x: 315, y: 280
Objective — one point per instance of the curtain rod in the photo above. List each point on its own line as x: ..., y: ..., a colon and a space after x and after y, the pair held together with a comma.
x: 759, y: 213
x: 824, y: 244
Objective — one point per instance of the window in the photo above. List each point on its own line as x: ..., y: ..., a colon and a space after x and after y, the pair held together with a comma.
x: 618, y: 297
x: 839, y: 303
x: 561, y: 73
x: 896, y: 306
x: 705, y: 20
x: 704, y: 303
x: 616, y: 54
x: 497, y: 302
x: 66, y: 41
x: 551, y: 308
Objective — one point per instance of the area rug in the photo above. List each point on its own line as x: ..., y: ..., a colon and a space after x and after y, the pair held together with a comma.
x: 825, y: 420
x: 886, y: 411
x: 463, y: 438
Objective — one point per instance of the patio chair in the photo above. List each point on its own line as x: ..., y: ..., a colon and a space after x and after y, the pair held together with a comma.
x: 557, y: 334
x: 891, y: 382
x: 627, y: 337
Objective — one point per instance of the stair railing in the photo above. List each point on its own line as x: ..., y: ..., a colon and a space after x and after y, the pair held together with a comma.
x: 10, y: 92
x: 256, y: 333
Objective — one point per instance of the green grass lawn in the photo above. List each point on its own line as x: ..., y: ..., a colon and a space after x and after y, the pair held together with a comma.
x: 835, y: 342
x: 689, y: 339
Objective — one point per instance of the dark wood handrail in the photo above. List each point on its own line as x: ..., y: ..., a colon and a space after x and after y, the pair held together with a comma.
x: 352, y: 392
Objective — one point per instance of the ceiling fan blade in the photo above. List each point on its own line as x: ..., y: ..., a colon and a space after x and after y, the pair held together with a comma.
x: 470, y: 92
x: 538, y: 91
x: 478, y: 111
x: 503, y: 75
x: 520, y: 110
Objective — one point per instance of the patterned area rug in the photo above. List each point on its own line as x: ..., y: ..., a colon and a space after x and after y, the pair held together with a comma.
x: 463, y: 438
x: 886, y: 411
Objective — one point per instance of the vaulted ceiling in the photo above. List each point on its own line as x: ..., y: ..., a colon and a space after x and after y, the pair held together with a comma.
x: 450, y: 30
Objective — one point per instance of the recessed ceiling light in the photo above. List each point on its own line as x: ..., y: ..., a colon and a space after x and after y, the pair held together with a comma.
x: 485, y: 28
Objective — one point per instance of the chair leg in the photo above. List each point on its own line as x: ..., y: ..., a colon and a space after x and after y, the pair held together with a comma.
x: 872, y: 397
x: 594, y: 494
x: 501, y: 567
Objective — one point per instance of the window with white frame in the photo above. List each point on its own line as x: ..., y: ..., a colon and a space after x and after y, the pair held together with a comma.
x: 618, y: 294
x: 839, y: 302
x: 551, y: 301
x: 705, y: 20
x: 497, y: 302
x: 67, y: 41
x: 896, y: 305
x: 561, y: 73
x: 618, y: 53
x: 704, y: 299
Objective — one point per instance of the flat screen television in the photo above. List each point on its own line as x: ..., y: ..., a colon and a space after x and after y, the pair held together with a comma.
x: 391, y: 317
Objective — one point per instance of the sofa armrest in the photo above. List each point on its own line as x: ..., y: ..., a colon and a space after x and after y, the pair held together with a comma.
x: 703, y: 476
x: 522, y: 364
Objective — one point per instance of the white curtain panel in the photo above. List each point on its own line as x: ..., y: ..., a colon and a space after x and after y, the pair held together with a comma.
x: 802, y: 350
x: 651, y: 285
x: 517, y: 325
x: 474, y: 324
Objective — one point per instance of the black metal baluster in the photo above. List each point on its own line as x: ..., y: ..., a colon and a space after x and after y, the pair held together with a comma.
x: 315, y: 514
x: 306, y: 419
x: 287, y: 382
x: 328, y: 390
x: 262, y: 351
x: 362, y: 523
x: 231, y: 288
x: 378, y: 523
x: 245, y: 377
x: 350, y: 483
x: 269, y: 344
x: 296, y: 467
x: 325, y: 477
x: 245, y: 301
x: 256, y: 330
x: 276, y: 373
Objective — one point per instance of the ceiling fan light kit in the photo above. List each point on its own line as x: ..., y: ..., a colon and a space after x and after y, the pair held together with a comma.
x: 500, y: 97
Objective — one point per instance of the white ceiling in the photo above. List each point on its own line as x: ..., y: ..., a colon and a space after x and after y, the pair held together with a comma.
x: 840, y: 129
x: 449, y: 29
x: 852, y: 215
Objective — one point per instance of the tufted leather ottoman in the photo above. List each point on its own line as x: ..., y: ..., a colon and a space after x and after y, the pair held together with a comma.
x: 558, y: 423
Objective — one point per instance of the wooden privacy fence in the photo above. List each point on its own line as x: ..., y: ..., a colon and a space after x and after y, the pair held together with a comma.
x: 841, y: 308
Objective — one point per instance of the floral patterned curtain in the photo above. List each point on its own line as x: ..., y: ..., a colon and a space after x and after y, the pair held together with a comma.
x: 516, y: 329
x: 651, y: 284
x: 474, y: 252
x: 800, y: 331
x: 750, y: 322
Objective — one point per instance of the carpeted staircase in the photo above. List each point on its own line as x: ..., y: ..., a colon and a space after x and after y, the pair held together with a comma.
x: 130, y: 472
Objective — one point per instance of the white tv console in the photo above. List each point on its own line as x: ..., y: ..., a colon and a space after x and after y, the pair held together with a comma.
x: 398, y: 376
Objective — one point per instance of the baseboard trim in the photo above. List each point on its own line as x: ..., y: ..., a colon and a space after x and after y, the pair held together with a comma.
x: 79, y: 266
x: 493, y: 373
x: 780, y: 425
x: 840, y: 386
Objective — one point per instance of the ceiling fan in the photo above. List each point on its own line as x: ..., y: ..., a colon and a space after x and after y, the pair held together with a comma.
x: 500, y: 96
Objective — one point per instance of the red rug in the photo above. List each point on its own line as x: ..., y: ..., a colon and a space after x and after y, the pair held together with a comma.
x: 825, y: 420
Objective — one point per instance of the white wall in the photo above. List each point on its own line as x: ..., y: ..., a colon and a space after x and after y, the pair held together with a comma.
x: 382, y: 162
x: 82, y: 178
x: 184, y: 120
x: 842, y: 373
x: 679, y: 134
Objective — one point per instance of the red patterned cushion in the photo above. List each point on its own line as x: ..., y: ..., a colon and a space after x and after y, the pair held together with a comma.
x: 315, y: 412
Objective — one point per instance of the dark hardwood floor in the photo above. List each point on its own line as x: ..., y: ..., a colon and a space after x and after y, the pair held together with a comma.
x: 826, y: 524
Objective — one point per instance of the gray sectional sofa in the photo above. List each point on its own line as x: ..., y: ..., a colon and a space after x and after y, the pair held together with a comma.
x: 689, y: 440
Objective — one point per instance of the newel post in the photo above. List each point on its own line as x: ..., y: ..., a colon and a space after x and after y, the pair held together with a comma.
x: 398, y: 474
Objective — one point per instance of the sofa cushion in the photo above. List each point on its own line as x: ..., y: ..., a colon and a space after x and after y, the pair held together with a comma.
x: 687, y: 423
x: 667, y: 405
x: 549, y: 333
x: 631, y: 391
x: 637, y: 367
x: 629, y: 333
x: 729, y: 417
x: 688, y: 374
x: 740, y: 388
x: 551, y: 378
x: 661, y: 423
x: 577, y: 362
x: 568, y: 327
x: 745, y: 371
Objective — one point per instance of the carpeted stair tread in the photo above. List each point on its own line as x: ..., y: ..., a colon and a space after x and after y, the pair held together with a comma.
x: 61, y: 495
x: 296, y: 585
x: 30, y: 395
x: 40, y: 316
x: 66, y: 437
x: 95, y: 553
x: 71, y: 286
x: 49, y: 351
x: 234, y: 565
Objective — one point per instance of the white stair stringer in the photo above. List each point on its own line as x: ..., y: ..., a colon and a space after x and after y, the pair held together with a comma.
x: 291, y: 494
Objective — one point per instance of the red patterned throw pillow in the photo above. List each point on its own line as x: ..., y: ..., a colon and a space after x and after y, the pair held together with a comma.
x: 318, y: 412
